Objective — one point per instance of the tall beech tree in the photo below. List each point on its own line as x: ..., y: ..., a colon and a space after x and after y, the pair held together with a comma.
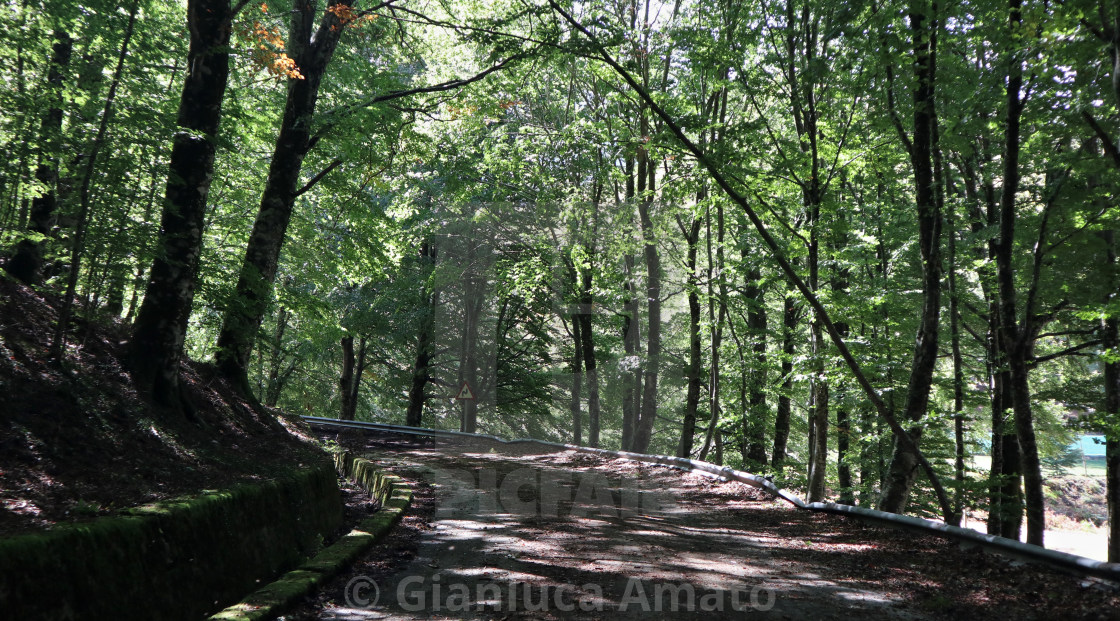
x: 85, y: 187
x: 156, y: 344
x: 311, y: 48
x: 587, y: 344
x: 425, y: 337
x: 582, y: 265
x: 691, y: 233
x: 1110, y: 337
x: 646, y: 179
x: 803, y: 64
x: 790, y: 317
x: 924, y: 27
x: 26, y: 263
x: 1017, y: 333
x: 1105, y: 28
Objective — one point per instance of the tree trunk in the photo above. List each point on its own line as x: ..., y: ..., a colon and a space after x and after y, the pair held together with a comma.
x: 356, y: 382
x: 592, y: 371
x: 1028, y: 451
x: 421, y: 370
x: 717, y: 314
x: 756, y: 406
x: 782, y: 414
x: 904, y: 463
x: 156, y: 346
x: 869, y: 453
x: 996, y: 520
x: 819, y: 388
x: 712, y: 437
x: 77, y: 243
x: 958, y: 373
x: 276, y: 377
x: 839, y: 286
x: 692, y: 396
x: 717, y: 305
x: 883, y: 442
x: 1014, y: 338
x: 747, y: 432
x: 647, y: 176
x: 1005, y: 509
x: 576, y: 406
x: 421, y: 374
x: 843, y: 452
x: 843, y: 429
x: 1110, y: 337
x: 631, y: 376
x: 26, y: 263
x: 312, y: 51
x: 346, y: 379
x: 473, y: 298
x: 587, y: 310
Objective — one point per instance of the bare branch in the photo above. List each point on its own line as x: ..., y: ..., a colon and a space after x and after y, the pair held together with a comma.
x: 434, y: 88
x: 1109, y: 146
x: 317, y: 178
x: 1069, y: 351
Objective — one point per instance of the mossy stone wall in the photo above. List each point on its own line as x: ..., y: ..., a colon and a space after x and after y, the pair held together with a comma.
x: 271, y: 600
x: 173, y: 560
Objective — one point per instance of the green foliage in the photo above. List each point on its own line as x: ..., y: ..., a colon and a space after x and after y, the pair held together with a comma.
x: 536, y: 165
x: 1060, y: 463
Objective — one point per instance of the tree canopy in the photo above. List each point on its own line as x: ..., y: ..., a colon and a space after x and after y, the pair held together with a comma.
x: 849, y: 245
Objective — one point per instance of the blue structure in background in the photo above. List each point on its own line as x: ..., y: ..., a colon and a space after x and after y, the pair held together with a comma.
x: 1091, y: 446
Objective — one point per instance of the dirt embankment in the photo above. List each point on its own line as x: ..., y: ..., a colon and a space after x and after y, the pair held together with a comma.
x: 77, y: 442
x: 1077, y: 499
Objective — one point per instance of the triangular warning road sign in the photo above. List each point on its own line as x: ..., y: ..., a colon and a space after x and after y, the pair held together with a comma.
x: 465, y: 393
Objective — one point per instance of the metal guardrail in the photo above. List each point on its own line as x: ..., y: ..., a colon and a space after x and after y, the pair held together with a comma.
x: 992, y: 543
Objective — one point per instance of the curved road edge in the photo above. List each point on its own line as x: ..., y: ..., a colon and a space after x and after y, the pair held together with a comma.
x: 1001, y: 545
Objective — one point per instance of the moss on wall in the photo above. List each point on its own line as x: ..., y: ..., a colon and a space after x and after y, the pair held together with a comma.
x: 270, y: 600
x: 173, y: 560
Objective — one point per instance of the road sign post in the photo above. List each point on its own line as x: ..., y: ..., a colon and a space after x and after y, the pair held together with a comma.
x: 465, y: 393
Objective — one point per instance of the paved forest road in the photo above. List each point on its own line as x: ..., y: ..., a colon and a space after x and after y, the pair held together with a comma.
x: 571, y: 536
